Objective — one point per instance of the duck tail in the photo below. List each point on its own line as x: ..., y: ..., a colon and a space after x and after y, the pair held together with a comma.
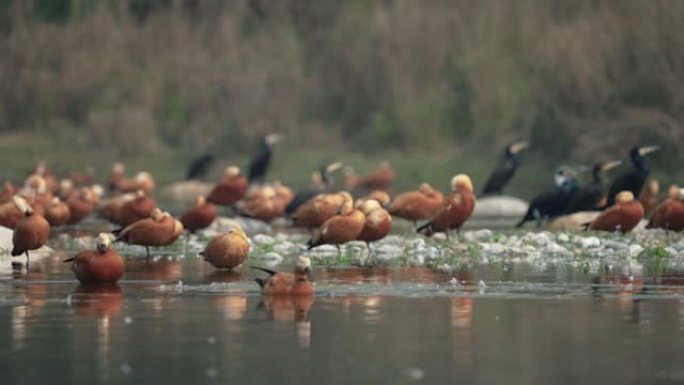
x: 265, y: 270
x: 16, y: 252
x: 68, y: 260
x: 425, y: 228
x: 260, y: 281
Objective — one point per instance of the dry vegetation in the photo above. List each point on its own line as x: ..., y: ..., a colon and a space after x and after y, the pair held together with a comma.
x: 575, y: 76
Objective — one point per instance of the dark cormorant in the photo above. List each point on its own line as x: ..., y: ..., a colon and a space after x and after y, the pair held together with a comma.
x: 259, y: 165
x: 321, y: 184
x: 199, y: 166
x: 589, y: 197
x: 552, y: 203
x: 500, y: 177
x: 634, y: 179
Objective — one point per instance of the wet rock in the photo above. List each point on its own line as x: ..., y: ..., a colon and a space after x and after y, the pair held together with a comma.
x: 563, y: 238
x: 272, y: 258
x: 540, y: 239
x: 387, y: 251
x: 286, y: 248
x: 635, y: 250
x: 616, y: 245
x: 589, y: 242
x: 263, y: 239
x: 478, y: 235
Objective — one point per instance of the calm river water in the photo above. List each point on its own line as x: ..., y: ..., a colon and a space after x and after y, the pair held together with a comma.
x: 516, y: 325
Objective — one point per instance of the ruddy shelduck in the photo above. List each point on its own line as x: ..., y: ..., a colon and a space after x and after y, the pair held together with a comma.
x: 200, y: 216
x: 377, y: 225
x: 297, y: 283
x: 457, y: 208
x: 101, y: 265
x: 227, y: 250
x: 623, y: 216
x: 340, y: 228
x: 30, y: 233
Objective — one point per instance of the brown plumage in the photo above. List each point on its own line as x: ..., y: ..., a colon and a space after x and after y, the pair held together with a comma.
x: 57, y: 213
x: 102, y: 265
x: 380, y: 179
x: 319, y: 209
x: 109, y: 208
x: 158, y: 230
x: 340, y: 228
x: 142, y: 181
x: 377, y: 225
x: 623, y: 216
x: 455, y: 210
x: 199, y: 216
x: 298, y: 283
x: 228, y: 250
x: 669, y: 214
x: 80, y: 206
x: 230, y: 189
x: 31, y: 232
x: 262, y: 203
x: 10, y: 215
x: 649, y: 195
x: 417, y: 205
x: 135, y: 209
x: 379, y: 196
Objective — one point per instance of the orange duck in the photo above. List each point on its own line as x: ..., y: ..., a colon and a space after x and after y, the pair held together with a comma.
x: 230, y: 189
x: 36, y: 189
x: 159, y: 229
x: 623, y: 216
x: 380, y: 196
x: 45, y: 174
x: 455, y: 210
x: 298, y: 283
x: 262, y: 203
x: 102, y: 265
x: 319, y: 209
x: 417, y: 205
x: 135, y: 209
x: 109, y: 208
x: 380, y: 179
x: 80, y: 205
x: 228, y: 250
x: 649, y: 195
x: 142, y: 181
x: 340, y: 228
x: 377, y: 225
x: 669, y: 214
x: 10, y: 215
x: 57, y: 213
x: 200, y: 216
x: 30, y: 233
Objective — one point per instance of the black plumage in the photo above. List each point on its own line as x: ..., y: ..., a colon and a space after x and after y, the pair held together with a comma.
x: 553, y: 202
x: 634, y: 179
x: 589, y: 197
x: 500, y: 177
x: 260, y: 164
x: 199, y: 166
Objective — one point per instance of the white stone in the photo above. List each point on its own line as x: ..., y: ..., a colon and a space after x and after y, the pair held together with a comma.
x: 263, y: 239
x: 590, y: 242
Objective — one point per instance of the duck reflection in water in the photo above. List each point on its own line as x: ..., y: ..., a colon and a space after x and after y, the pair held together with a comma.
x: 291, y: 308
x: 34, y: 297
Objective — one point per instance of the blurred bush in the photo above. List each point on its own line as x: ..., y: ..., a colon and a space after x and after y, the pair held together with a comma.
x: 578, y: 78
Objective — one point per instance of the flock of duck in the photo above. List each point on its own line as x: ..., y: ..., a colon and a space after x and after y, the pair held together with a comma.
x: 333, y: 217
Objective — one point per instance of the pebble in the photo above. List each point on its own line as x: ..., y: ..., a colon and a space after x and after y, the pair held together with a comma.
x: 272, y: 258
x: 589, y: 242
x: 478, y: 235
x: 263, y: 239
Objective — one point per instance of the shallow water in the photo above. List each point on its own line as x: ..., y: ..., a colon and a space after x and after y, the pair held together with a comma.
x: 179, y: 321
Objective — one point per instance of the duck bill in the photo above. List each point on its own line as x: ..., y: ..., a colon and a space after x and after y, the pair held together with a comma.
x: 648, y: 149
x: 273, y: 139
x: 519, y: 146
x: 611, y: 165
x: 332, y: 167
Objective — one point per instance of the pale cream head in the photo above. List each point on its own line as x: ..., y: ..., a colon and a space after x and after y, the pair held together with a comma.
x: 21, y: 204
x: 104, y: 242
x: 232, y: 171
x: 118, y: 168
x: 369, y: 206
x: 303, y: 263
x: 680, y: 194
x: 461, y: 182
x: 157, y: 214
x: 624, y: 197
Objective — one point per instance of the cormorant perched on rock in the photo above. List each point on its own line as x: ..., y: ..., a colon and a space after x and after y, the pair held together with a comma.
x: 321, y: 184
x: 634, y: 179
x: 259, y: 165
x: 500, y: 177
x: 199, y: 166
x: 590, y: 197
x: 552, y: 203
